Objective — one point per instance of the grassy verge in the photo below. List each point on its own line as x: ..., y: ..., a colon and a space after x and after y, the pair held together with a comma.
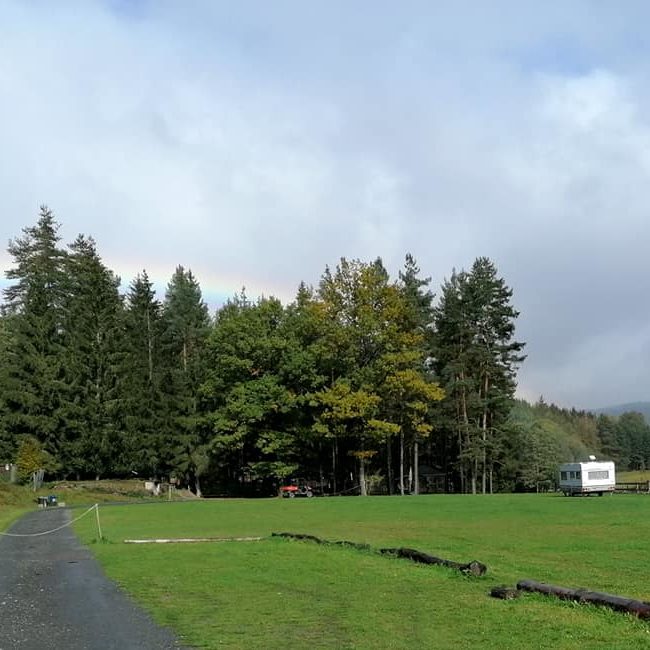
x: 15, y: 500
x: 108, y: 491
x: 278, y: 593
x: 9, y: 514
x: 633, y: 477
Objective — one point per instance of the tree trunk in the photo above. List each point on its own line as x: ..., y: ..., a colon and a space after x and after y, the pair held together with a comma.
x: 484, y: 434
x: 416, y: 467
x: 197, y: 485
x: 461, y: 467
x: 466, y: 427
x: 618, y: 603
x: 362, y: 476
x: 401, y: 462
x: 334, y: 466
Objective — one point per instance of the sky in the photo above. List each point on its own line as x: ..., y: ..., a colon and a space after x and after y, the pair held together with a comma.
x: 258, y: 142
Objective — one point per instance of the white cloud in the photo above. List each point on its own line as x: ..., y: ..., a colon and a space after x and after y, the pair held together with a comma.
x: 258, y: 143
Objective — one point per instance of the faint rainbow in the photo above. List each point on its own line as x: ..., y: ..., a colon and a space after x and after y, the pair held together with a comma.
x: 216, y: 288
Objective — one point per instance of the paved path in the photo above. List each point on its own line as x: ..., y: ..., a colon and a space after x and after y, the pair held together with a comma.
x: 54, y: 595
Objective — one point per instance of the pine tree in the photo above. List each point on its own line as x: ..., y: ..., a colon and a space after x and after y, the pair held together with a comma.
x: 495, y: 357
x: 478, y: 357
x: 185, y: 327
x: 143, y: 410
x: 92, y: 341
x: 418, y: 390
x: 32, y: 381
x: 609, y: 441
x: 8, y: 442
x: 451, y: 354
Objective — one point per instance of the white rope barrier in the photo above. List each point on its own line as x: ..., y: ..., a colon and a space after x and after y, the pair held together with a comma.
x: 54, y: 530
x: 338, y: 494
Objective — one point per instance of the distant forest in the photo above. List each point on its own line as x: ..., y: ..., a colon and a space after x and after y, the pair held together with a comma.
x: 361, y: 384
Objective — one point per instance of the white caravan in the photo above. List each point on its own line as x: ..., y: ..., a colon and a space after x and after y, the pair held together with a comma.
x: 593, y: 477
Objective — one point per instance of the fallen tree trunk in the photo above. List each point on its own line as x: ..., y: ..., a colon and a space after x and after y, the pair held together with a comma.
x: 359, y: 547
x: 473, y: 568
x: 305, y: 538
x: 318, y: 540
x: 505, y: 593
x: 637, y: 608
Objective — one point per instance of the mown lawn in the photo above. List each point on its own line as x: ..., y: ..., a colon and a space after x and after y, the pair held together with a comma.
x: 278, y: 593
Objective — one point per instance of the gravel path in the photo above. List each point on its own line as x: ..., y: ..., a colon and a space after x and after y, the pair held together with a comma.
x: 54, y: 595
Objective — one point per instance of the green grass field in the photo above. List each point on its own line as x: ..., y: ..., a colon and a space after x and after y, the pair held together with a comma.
x: 280, y: 593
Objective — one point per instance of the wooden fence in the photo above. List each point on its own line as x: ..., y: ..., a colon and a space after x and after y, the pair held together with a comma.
x: 643, y: 486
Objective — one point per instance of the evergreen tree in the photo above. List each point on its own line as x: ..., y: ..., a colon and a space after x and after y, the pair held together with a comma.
x: 7, y: 440
x: 185, y: 327
x: 634, y: 433
x: 609, y: 439
x: 496, y: 357
x: 451, y: 356
x: 32, y: 380
x: 417, y: 389
x: 140, y: 373
x: 478, y: 357
x: 92, y: 341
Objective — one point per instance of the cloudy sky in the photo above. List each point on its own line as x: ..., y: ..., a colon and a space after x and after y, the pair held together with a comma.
x: 256, y: 142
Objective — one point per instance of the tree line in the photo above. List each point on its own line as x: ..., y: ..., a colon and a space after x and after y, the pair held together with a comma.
x: 362, y: 382
x: 545, y: 435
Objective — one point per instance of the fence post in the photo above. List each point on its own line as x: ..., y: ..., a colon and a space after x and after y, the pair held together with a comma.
x: 99, y: 527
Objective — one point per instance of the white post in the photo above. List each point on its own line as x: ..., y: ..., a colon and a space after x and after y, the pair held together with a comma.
x: 99, y: 527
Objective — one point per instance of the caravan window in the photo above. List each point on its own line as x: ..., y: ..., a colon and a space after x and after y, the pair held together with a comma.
x: 598, y: 475
x: 575, y: 475
x: 563, y: 476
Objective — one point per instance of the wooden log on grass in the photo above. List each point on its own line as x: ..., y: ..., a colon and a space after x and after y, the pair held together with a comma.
x: 637, y: 608
x: 505, y: 593
x: 357, y: 545
x: 302, y: 537
x: 472, y: 568
x: 318, y: 540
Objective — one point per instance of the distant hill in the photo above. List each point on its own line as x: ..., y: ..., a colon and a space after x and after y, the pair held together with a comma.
x: 637, y: 407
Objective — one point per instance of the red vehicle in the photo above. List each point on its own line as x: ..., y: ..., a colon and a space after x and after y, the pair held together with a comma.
x: 297, y: 488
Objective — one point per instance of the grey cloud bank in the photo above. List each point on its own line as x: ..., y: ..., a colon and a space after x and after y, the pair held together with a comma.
x: 259, y: 144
